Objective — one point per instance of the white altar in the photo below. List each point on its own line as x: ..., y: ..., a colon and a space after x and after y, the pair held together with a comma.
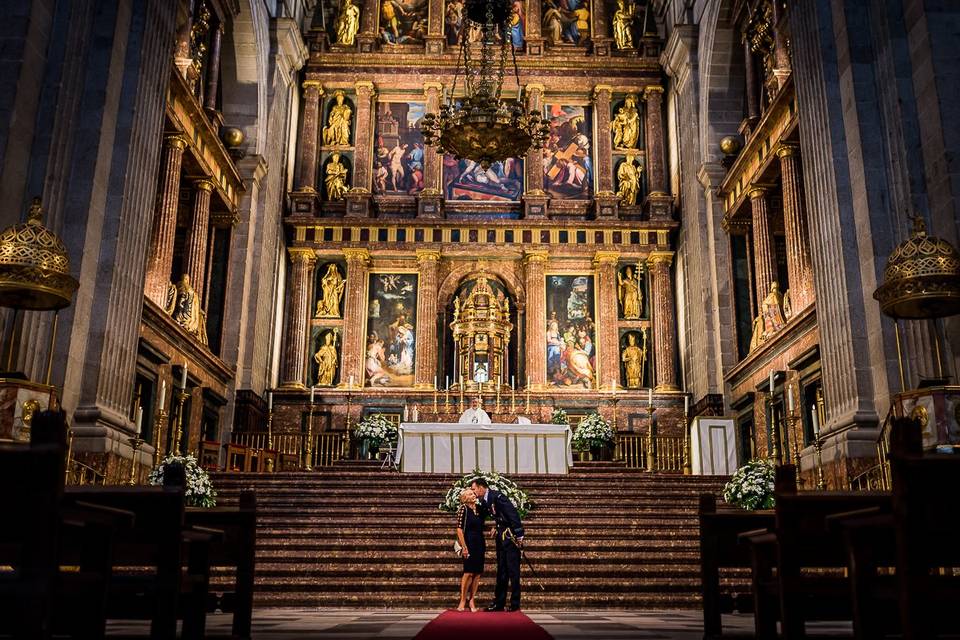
x: 504, y: 448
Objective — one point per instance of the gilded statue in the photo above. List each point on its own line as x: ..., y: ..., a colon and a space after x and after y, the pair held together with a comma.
x: 183, y: 305
x: 348, y: 23
x: 628, y: 181
x: 629, y: 294
x: 331, y: 286
x: 326, y: 359
x: 336, y: 179
x: 626, y: 124
x: 623, y: 24
x: 634, y: 358
x: 770, y: 319
x: 337, y: 131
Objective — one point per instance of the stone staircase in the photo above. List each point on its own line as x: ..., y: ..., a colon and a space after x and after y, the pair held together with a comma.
x: 354, y: 536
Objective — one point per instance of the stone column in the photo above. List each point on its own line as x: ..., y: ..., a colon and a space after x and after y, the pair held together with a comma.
x: 428, y: 263
x: 750, y: 75
x: 608, y: 361
x: 605, y: 201
x: 658, y: 202
x: 781, y: 48
x: 533, y: 40
x: 764, y: 258
x: 435, y: 39
x: 535, y: 199
x: 294, y: 365
x: 354, y: 322
x: 601, y: 29
x: 160, y: 260
x: 358, y: 198
x: 430, y: 200
x: 664, y: 329
x: 195, y: 261
x: 367, y: 38
x: 309, y: 140
x: 535, y: 263
x: 213, y: 71
x: 799, y: 271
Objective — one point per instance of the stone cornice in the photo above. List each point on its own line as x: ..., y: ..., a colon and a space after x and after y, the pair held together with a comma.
x: 679, y: 57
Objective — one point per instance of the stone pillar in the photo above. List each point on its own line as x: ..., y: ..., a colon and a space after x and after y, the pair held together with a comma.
x: 213, y: 71
x: 535, y: 263
x: 354, y: 322
x: 435, y: 39
x: 601, y: 29
x: 195, y: 261
x: 535, y: 199
x: 605, y: 201
x: 358, y: 198
x: 750, y: 75
x: 608, y: 361
x: 428, y: 263
x: 160, y: 260
x: 430, y: 200
x: 799, y: 271
x: 309, y: 137
x: 294, y: 365
x: 781, y: 48
x: 764, y: 258
x: 533, y: 40
x: 367, y: 38
x: 664, y: 328
x: 658, y: 203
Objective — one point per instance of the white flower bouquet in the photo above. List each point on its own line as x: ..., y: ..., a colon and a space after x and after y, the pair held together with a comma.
x: 199, y: 490
x: 375, y: 430
x: 504, y: 485
x: 593, y: 431
x: 751, y: 486
x: 559, y: 416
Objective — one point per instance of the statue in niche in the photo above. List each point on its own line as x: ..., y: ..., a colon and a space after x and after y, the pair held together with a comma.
x: 336, y: 179
x: 634, y: 358
x: 337, y: 131
x: 771, y: 310
x: 631, y: 298
x: 348, y: 23
x: 331, y: 286
x: 326, y: 359
x: 183, y: 305
x: 623, y: 24
x: 626, y: 124
x: 628, y: 181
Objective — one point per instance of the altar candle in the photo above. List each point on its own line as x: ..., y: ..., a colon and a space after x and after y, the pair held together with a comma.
x: 613, y: 385
x: 528, y: 382
x: 270, y: 401
x: 416, y: 414
x: 649, y: 397
x: 435, y: 382
x: 313, y: 391
x: 405, y: 414
x: 686, y: 405
x: 183, y: 377
x: 163, y: 392
x: 351, y: 382
x: 771, y: 382
x: 790, y: 399
x: 448, y: 383
x: 512, y: 387
x: 816, y: 422
x: 139, y: 419
x: 461, y: 380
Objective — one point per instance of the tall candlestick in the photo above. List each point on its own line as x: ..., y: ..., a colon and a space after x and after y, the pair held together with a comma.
x: 183, y: 377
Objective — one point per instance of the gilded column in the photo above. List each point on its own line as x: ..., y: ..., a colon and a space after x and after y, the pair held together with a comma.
x: 764, y: 259
x: 535, y: 263
x: 799, y: 271
x: 309, y: 140
x: 294, y: 366
x: 606, y: 200
x: 195, y: 261
x: 430, y: 200
x: 534, y: 198
x: 664, y: 327
x: 358, y: 198
x: 160, y: 260
x: 653, y: 96
x: 354, y: 322
x: 428, y: 264
x: 608, y: 360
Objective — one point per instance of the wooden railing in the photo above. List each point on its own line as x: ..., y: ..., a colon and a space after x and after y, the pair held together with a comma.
x: 667, y: 453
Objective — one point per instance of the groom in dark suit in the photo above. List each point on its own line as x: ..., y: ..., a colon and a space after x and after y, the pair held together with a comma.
x: 509, y: 542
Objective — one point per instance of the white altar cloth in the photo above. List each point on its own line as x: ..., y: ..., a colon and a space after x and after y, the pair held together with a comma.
x: 504, y: 448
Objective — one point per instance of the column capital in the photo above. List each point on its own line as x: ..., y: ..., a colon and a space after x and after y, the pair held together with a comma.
x: 313, y: 84
x: 356, y: 255
x: 203, y: 184
x: 436, y: 86
x: 534, y: 87
x: 785, y: 149
x: 652, y: 90
x: 365, y: 86
x: 535, y: 256
x: 300, y: 255
x: 427, y: 256
x: 600, y: 89
x: 606, y: 257
x: 660, y: 257
x: 759, y: 190
x: 176, y: 140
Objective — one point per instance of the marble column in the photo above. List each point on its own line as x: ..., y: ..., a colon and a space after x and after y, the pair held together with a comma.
x: 354, y: 322
x: 160, y: 260
x: 799, y: 271
x: 664, y: 327
x: 435, y: 40
x: 752, y: 90
x: 367, y: 38
x: 294, y: 365
x: 764, y: 257
x: 428, y: 265
x: 608, y: 361
x: 195, y: 260
x: 213, y: 71
x: 601, y: 29
x: 358, y: 198
x: 658, y: 202
x: 535, y: 199
x: 781, y: 47
x: 430, y: 200
x: 309, y: 137
x: 605, y: 201
x: 533, y: 40
x: 535, y: 263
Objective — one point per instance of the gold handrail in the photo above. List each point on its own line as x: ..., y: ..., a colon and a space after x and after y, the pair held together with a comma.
x: 327, y: 448
x: 668, y: 452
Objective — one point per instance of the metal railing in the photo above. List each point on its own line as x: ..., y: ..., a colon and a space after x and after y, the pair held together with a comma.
x: 324, y: 449
x: 661, y: 453
x: 82, y: 474
x: 877, y: 476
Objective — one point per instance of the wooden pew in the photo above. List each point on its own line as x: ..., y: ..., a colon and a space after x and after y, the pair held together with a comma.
x: 721, y: 548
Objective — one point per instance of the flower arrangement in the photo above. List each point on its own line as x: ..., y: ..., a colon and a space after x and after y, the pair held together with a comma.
x: 199, y: 489
x: 751, y: 486
x: 504, y: 485
x: 376, y: 430
x: 559, y: 416
x: 593, y: 431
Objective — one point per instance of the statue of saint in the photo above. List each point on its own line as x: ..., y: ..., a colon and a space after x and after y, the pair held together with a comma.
x: 771, y: 310
x: 348, y: 23
x: 628, y: 181
x: 331, y: 286
x: 626, y: 124
x: 633, y: 358
x: 326, y: 359
x: 336, y: 179
x: 623, y: 24
x: 629, y: 294
x: 337, y: 131
x: 183, y: 305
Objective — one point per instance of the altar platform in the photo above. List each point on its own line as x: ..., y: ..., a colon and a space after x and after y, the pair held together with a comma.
x: 504, y: 448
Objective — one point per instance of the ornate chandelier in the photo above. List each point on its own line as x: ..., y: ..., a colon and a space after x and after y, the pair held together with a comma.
x: 480, y: 126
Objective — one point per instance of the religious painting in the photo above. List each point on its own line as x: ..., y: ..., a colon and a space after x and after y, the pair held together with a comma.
x: 571, y: 331
x: 403, y: 21
x: 454, y: 19
x: 391, y: 330
x: 567, y: 160
x: 635, y: 358
x: 324, y: 356
x: 467, y: 180
x: 398, y: 156
x: 565, y: 22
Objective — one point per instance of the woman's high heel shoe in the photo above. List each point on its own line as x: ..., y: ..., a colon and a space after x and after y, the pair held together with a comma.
x: 473, y: 606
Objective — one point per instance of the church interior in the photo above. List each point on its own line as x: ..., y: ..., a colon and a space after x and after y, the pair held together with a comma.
x: 680, y: 278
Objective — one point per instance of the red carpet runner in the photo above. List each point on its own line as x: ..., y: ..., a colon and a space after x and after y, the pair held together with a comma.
x: 498, y: 625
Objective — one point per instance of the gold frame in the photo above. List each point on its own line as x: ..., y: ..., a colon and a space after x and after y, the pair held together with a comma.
x: 366, y: 321
x: 547, y: 385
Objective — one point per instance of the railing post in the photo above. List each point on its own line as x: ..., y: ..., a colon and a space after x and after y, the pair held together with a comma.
x: 651, y: 457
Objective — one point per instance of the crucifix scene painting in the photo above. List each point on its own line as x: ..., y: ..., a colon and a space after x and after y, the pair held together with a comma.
x: 567, y: 154
x: 571, y: 332
x: 391, y: 330
x: 398, y: 155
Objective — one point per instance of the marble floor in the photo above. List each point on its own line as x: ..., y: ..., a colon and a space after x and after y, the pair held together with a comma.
x: 352, y: 624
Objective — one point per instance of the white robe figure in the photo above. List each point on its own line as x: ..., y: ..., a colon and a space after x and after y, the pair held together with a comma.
x: 475, y: 415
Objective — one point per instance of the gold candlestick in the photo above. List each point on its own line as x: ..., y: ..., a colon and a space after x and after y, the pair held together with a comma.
x: 687, y: 456
x: 66, y: 474
x: 527, y: 407
x: 460, y: 404
x: 308, y: 463
x: 182, y: 396
x: 651, y: 459
x: 160, y: 440
x: 497, y: 410
x: 436, y: 408
x: 446, y: 398
x: 135, y: 442
x: 818, y: 446
x: 513, y: 400
x: 796, y: 451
